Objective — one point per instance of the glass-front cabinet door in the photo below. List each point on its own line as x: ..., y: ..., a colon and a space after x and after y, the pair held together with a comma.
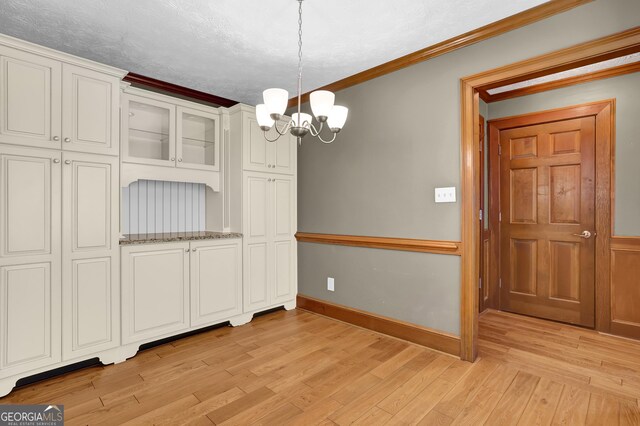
x: 197, y: 142
x: 148, y: 131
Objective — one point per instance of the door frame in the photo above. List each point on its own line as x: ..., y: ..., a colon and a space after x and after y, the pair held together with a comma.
x: 604, y: 113
x: 616, y: 45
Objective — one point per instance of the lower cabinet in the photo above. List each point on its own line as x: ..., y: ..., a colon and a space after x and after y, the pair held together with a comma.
x: 168, y: 288
x: 155, y: 291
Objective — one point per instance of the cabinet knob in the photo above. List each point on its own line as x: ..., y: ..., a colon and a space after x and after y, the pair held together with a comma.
x: 67, y: 161
x: 194, y: 249
x: 172, y: 159
x: 56, y: 160
x: 56, y: 138
x: 67, y: 140
x: 186, y: 250
x: 179, y: 160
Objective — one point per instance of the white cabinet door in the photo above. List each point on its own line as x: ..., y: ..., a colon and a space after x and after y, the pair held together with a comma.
x: 90, y: 254
x: 155, y: 291
x: 256, y: 240
x: 261, y: 155
x: 30, y: 90
x: 148, y: 131
x: 197, y: 145
x: 29, y: 259
x: 30, y: 321
x: 216, y: 281
x: 90, y: 111
x: 282, y: 244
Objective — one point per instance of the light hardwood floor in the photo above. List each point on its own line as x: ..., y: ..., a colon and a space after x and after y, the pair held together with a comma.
x: 301, y: 368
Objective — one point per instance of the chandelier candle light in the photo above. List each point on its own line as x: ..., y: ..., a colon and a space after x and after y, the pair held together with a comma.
x: 275, y: 104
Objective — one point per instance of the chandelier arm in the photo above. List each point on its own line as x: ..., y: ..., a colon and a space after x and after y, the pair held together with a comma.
x: 327, y: 142
x: 284, y: 131
x: 315, y: 132
x: 271, y: 140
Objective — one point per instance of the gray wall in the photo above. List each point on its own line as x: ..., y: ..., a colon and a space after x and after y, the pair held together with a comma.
x: 626, y: 90
x: 402, y: 139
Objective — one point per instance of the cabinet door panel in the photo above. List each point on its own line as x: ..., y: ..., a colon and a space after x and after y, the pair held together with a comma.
x: 255, y: 145
x: 216, y: 282
x: 30, y: 102
x: 283, y: 271
x: 155, y: 302
x: 255, y: 263
x: 90, y: 106
x: 92, y: 303
x: 29, y: 329
x: 257, y: 190
x: 282, y: 207
x: 91, y: 315
x: 197, y: 145
x: 284, y: 152
x: 29, y: 178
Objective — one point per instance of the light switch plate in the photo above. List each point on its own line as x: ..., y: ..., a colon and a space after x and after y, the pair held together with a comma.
x: 330, y: 284
x: 446, y: 195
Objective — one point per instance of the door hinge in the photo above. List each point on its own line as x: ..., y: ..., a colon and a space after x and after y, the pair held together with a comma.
x: 499, y: 149
x: 500, y: 217
x: 480, y: 283
x: 500, y: 282
x: 480, y: 214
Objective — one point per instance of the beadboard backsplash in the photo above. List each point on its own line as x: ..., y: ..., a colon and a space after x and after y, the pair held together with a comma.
x: 156, y: 206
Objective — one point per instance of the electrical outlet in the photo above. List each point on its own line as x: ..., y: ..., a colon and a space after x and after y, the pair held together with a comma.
x: 445, y: 195
x: 331, y: 284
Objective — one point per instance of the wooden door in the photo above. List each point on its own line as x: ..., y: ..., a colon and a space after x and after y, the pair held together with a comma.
x: 155, y: 291
x: 30, y: 104
x: 547, y: 229
x: 216, y: 281
x: 90, y: 254
x: 29, y: 259
x: 90, y: 111
x: 256, y: 240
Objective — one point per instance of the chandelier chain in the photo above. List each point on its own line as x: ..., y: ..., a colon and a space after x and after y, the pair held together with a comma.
x: 299, y: 52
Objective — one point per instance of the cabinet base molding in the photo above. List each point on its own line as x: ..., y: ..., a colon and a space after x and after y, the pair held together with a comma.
x: 241, y: 320
x: 289, y: 306
x: 403, y: 330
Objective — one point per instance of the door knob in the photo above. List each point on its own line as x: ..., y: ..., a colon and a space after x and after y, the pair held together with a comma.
x: 585, y: 234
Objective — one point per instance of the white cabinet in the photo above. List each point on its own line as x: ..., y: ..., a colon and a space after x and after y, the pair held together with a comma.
x: 155, y: 290
x: 30, y: 99
x: 30, y: 218
x: 168, y: 288
x: 269, y: 245
x: 216, y: 281
x: 90, y: 255
x: 263, y: 156
x: 47, y: 103
x: 158, y: 131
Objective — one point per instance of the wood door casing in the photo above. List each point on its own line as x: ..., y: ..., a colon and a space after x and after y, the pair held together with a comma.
x: 547, y: 191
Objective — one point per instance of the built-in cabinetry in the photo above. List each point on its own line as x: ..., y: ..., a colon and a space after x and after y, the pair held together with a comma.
x: 169, y: 288
x: 265, y: 175
x: 49, y: 103
x: 182, y: 138
x: 59, y: 222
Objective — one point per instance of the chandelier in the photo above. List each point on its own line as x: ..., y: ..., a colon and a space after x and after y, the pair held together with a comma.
x: 322, y: 106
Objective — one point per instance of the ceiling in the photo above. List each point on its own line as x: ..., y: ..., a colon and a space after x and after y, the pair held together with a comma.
x: 237, y: 48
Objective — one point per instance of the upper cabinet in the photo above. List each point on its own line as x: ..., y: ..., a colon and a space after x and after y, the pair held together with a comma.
x: 51, y: 100
x: 161, y: 133
x: 264, y: 156
x: 181, y: 137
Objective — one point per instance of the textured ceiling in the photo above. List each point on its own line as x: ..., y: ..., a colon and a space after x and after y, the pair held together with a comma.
x: 237, y: 48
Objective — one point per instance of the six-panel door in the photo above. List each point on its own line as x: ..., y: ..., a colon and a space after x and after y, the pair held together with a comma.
x: 155, y: 290
x: 30, y: 104
x: 29, y: 259
x: 90, y: 111
x: 90, y: 254
x: 216, y: 281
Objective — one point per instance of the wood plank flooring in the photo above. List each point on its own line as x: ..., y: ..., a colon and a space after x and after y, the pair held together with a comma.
x: 298, y: 368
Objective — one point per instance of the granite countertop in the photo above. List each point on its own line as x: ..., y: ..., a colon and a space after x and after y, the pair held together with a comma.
x: 176, y: 237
